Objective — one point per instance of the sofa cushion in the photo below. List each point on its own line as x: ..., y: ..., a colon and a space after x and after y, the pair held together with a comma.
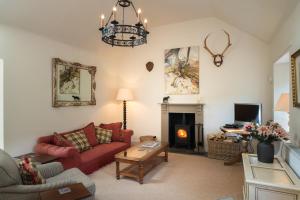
x: 29, y: 173
x: 90, y: 133
x: 76, y: 176
x: 115, y: 127
x: 79, y: 140
x: 59, y: 140
x: 99, y: 152
x: 103, y: 135
x: 9, y: 171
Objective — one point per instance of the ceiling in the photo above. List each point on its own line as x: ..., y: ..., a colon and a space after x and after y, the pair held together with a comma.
x: 75, y: 21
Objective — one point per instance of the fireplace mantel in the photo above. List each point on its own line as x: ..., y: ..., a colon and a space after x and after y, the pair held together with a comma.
x: 167, y: 108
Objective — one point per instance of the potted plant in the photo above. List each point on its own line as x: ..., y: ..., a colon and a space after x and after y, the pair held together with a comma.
x: 266, y: 135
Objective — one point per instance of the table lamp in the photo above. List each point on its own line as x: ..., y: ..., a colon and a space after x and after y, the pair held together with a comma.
x: 124, y: 95
x: 283, y: 103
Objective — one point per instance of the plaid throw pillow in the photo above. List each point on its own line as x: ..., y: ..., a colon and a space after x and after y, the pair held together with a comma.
x: 103, y: 135
x: 29, y: 173
x: 79, y: 140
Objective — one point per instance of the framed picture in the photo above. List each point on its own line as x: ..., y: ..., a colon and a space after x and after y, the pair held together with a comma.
x: 295, y: 67
x: 73, y: 84
x: 182, y: 71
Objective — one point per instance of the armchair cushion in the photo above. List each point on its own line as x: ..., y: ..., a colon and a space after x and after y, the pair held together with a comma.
x: 9, y: 171
x: 50, y: 169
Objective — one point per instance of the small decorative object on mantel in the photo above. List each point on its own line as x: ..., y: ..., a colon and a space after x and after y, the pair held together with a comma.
x: 266, y: 135
x: 149, y: 66
x: 218, y: 58
x: 73, y: 84
x: 166, y: 99
x: 295, y: 67
x: 116, y: 33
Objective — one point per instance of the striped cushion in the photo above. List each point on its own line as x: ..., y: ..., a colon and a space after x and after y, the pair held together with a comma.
x: 29, y: 173
x: 79, y: 140
x: 103, y: 135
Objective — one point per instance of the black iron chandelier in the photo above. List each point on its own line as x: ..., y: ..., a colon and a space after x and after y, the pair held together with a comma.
x: 117, y: 33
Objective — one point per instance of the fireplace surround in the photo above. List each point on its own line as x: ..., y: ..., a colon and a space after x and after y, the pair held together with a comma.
x: 185, y: 118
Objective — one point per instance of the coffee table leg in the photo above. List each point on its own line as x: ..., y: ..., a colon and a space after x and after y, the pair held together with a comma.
x: 166, y: 155
x: 118, y: 170
x: 141, y: 173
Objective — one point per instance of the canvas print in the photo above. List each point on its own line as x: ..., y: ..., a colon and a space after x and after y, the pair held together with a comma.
x: 69, y: 80
x: 182, y: 71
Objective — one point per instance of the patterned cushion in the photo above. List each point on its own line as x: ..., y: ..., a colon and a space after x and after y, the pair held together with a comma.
x: 29, y: 173
x: 103, y: 135
x: 59, y: 140
x: 79, y: 140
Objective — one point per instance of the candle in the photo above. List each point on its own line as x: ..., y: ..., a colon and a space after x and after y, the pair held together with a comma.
x: 114, y: 12
x: 145, y: 23
x: 139, y: 15
x: 102, y: 20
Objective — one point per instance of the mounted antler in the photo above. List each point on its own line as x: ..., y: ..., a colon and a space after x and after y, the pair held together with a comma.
x: 218, y: 58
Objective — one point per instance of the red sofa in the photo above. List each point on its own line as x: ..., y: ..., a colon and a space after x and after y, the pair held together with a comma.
x: 92, y: 159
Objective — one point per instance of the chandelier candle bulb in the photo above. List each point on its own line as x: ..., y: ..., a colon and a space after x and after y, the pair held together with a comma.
x: 114, y: 12
x: 145, y: 23
x: 102, y: 21
x: 139, y: 15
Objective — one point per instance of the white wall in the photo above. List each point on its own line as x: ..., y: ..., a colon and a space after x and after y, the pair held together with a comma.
x: 27, y: 89
x: 244, y: 76
x: 288, y: 40
x: 281, y: 74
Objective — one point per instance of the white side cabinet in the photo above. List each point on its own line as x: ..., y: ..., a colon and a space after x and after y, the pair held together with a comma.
x: 275, y: 181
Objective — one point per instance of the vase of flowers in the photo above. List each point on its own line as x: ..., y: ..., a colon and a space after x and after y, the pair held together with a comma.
x: 266, y: 135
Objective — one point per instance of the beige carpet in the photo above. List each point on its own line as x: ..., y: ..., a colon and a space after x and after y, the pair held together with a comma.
x: 184, y: 177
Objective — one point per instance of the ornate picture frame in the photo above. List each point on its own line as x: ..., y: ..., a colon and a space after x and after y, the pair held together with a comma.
x: 73, y: 84
x: 295, y: 68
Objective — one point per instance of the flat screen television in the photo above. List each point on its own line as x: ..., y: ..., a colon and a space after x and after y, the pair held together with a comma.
x: 244, y: 113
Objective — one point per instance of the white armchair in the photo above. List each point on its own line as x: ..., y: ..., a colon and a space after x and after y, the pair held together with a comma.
x: 12, y: 188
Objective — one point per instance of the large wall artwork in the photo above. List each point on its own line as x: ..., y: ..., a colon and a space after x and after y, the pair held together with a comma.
x: 182, y: 71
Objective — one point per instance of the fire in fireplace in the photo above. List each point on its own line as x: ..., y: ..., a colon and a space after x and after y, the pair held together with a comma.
x: 182, y: 130
x: 182, y: 135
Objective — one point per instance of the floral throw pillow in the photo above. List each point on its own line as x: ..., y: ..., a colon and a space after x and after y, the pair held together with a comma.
x: 29, y: 173
x: 103, y: 135
x: 79, y: 140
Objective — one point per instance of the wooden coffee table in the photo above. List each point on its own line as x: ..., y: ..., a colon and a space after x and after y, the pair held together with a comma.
x: 141, y: 160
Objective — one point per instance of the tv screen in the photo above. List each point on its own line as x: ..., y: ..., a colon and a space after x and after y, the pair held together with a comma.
x: 247, y: 113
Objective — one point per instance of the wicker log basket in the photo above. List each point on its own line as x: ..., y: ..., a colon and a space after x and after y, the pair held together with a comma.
x: 222, y: 148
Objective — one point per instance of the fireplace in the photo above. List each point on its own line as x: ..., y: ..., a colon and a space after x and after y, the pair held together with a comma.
x: 182, y: 127
x: 182, y: 130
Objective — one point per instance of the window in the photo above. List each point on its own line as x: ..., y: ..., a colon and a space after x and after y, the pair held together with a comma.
x: 1, y: 106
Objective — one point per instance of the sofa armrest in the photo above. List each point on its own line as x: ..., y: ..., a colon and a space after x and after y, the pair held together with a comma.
x: 53, y: 150
x: 50, y: 169
x: 126, y: 135
x: 24, y: 189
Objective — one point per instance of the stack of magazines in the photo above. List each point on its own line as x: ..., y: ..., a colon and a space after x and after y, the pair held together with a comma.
x: 150, y: 144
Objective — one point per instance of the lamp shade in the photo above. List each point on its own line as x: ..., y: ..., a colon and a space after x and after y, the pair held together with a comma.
x: 124, y: 95
x: 283, y: 103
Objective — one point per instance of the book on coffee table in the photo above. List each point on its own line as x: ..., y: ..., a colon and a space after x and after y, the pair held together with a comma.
x: 150, y: 144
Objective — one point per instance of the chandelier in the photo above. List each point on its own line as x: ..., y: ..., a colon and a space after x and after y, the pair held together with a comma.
x: 117, y: 33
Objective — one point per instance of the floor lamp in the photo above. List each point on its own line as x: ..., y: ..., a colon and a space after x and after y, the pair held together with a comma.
x: 124, y: 95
